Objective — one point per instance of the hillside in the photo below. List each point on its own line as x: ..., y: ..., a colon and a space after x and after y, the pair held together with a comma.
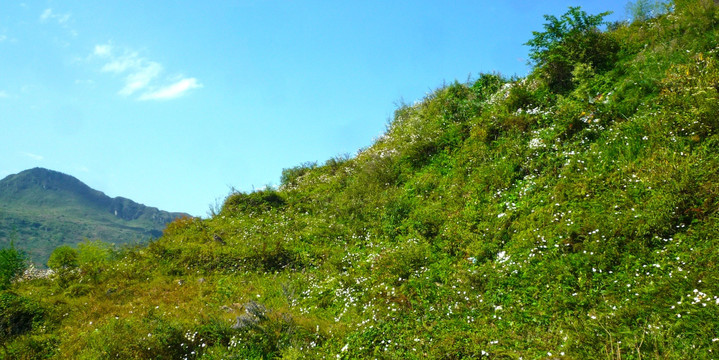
x: 42, y: 209
x: 571, y: 214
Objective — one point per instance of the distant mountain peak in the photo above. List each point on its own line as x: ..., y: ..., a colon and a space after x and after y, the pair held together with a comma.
x: 33, y: 184
x: 40, y: 197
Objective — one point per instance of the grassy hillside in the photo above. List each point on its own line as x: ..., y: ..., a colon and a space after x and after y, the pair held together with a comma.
x: 570, y: 214
x: 42, y: 209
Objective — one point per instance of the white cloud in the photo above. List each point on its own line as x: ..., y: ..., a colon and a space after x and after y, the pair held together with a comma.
x: 3, y: 38
x: 33, y: 156
x: 129, y: 60
x: 140, y: 74
x: 172, y: 91
x: 59, y: 18
x: 122, y: 64
x: 3, y: 94
x: 86, y: 82
x: 103, y: 50
x: 46, y: 14
x: 141, y: 77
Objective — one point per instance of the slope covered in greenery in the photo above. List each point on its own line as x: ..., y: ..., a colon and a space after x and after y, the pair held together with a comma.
x: 570, y: 214
x: 41, y: 209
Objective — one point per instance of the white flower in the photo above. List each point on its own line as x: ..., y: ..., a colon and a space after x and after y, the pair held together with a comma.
x: 536, y: 143
x: 502, y: 257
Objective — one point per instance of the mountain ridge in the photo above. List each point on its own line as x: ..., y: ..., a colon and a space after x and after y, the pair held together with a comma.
x: 42, y: 208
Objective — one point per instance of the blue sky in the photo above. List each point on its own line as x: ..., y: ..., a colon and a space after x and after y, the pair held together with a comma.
x: 172, y: 103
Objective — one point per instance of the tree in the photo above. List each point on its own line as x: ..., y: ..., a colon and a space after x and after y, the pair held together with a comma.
x: 13, y: 263
x: 64, y: 261
x: 643, y: 10
x: 572, y: 39
x: 64, y: 257
x: 93, y: 257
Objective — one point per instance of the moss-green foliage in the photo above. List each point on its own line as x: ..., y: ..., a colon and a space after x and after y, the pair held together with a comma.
x: 501, y: 218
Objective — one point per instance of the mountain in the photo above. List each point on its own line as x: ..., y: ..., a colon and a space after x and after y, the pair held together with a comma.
x: 569, y: 214
x: 41, y: 209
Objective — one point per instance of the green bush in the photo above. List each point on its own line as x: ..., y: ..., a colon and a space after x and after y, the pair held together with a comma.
x: 261, y: 200
x: 290, y: 176
x: 487, y: 85
x: 31, y: 346
x: 18, y: 315
x: 13, y: 263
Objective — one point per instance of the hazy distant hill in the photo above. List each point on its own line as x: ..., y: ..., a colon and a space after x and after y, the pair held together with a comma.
x: 41, y: 209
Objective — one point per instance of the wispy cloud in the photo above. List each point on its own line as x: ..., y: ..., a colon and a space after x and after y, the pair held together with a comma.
x: 4, y: 94
x: 63, y: 20
x: 140, y: 77
x: 46, y: 14
x: 86, y: 82
x: 172, y: 91
x: 49, y: 15
x: 33, y: 156
x: 141, y: 74
x: 102, y: 50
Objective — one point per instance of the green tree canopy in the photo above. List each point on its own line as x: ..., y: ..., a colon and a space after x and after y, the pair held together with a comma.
x: 63, y: 258
x: 569, y: 40
x: 13, y: 263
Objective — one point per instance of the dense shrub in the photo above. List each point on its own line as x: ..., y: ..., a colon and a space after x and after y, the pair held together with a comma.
x: 261, y: 200
x: 290, y: 176
x: 18, y: 314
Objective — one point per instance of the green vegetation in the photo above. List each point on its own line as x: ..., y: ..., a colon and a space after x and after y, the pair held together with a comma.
x: 570, y: 214
x: 42, y: 209
x: 12, y: 265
